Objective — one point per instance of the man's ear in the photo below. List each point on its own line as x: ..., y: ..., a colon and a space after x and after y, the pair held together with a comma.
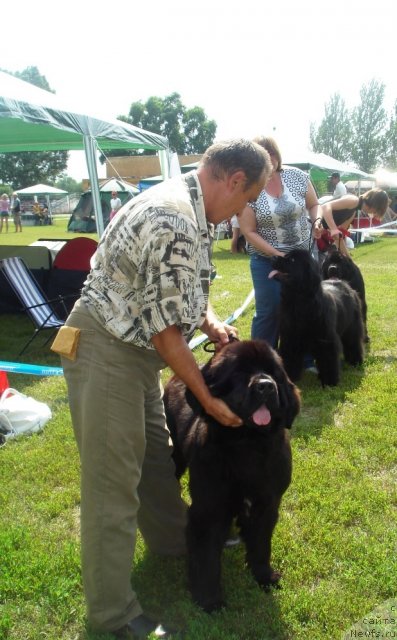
x: 236, y: 180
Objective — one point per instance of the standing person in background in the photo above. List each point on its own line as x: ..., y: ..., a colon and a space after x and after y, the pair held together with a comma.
x: 273, y: 225
x: 238, y: 240
x: 16, y: 212
x: 337, y: 215
x: 339, y: 188
x: 145, y: 296
x: 115, y: 204
x: 4, y: 211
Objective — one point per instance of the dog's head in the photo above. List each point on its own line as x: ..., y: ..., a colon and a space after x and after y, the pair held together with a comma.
x: 297, y: 270
x: 250, y: 378
x: 337, y: 265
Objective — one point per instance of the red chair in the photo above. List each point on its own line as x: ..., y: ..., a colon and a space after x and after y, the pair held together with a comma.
x: 75, y: 254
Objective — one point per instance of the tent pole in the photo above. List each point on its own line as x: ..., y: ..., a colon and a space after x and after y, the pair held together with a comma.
x: 90, y: 155
x: 165, y: 161
x: 49, y: 208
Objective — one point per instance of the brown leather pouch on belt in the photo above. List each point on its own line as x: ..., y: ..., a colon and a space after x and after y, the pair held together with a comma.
x: 66, y: 342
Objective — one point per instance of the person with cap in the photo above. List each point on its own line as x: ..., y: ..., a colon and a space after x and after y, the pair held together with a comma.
x: 115, y: 204
x: 339, y: 188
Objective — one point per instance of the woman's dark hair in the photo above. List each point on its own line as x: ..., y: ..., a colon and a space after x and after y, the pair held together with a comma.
x: 237, y: 155
x: 271, y: 147
x: 376, y: 199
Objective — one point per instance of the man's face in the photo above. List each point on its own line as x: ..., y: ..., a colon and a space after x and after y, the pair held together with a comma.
x: 235, y: 196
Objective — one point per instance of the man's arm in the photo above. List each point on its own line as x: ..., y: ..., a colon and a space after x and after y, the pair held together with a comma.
x: 174, y: 350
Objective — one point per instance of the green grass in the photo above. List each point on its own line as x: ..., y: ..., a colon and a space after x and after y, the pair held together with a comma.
x: 335, y: 542
x: 59, y: 230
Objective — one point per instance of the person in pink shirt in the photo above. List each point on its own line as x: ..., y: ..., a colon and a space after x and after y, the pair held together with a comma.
x: 4, y: 211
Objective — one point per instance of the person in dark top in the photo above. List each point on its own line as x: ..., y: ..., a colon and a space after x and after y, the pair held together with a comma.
x: 337, y: 215
x: 16, y: 212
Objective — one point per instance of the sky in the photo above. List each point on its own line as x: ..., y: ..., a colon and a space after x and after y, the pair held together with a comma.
x: 255, y: 67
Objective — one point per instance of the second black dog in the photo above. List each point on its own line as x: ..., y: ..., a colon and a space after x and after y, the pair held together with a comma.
x: 234, y: 473
x: 320, y: 318
x: 337, y: 265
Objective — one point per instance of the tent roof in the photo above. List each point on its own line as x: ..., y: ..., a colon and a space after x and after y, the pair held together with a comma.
x: 386, y: 179
x: 309, y: 160
x: 41, y: 190
x: 32, y: 119
x: 363, y: 185
x: 116, y: 184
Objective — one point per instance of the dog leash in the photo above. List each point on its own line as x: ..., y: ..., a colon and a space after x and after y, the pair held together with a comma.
x: 311, y: 238
x: 210, y: 345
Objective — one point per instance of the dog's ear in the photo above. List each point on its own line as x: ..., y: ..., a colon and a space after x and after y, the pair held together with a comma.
x: 313, y: 274
x: 193, y: 403
x: 289, y: 397
x: 212, y: 379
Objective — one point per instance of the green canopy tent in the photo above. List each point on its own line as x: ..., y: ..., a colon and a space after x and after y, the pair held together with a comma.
x: 320, y: 166
x: 32, y: 119
x: 82, y: 219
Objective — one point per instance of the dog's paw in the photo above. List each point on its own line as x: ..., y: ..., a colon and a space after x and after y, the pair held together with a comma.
x: 212, y: 606
x: 268, y: 579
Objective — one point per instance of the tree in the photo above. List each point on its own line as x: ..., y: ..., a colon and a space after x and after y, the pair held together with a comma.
x: 391, y: 142
x: 31, y: 167
x: 187, y: 130
x: 68, y: 184
x: 199, y: 132
x: 26, y: 168
x: 333, y: 135
x: 361, y: 136
x: 368, y: 127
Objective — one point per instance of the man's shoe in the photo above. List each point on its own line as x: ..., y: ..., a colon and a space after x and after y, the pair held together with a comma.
x: 141, y: 627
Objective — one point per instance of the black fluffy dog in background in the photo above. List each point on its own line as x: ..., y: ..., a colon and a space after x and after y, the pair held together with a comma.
x: 337, y: 265
x: 320, y: 318
x: 234, y: 473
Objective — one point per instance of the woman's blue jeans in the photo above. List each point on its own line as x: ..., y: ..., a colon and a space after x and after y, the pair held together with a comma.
x: 265, y: 323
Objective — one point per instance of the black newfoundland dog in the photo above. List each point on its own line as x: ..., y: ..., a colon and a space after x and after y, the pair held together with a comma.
x: 234, y: 473
x: 337, y: 265
x: 317, y: 318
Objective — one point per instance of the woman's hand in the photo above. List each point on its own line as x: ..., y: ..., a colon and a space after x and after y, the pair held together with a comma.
x: 317, y: 229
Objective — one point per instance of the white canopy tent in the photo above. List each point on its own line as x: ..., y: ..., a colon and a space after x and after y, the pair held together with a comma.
x: 43, y: 190
x: 32, y: 119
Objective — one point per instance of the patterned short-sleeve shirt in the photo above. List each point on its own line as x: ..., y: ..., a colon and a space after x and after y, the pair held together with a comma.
x: 151, y: 269
x: 282, y: 221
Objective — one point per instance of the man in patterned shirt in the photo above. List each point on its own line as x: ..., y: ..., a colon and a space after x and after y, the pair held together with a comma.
x: 146, y: 294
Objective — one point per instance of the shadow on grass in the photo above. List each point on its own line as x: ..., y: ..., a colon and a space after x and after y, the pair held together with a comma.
x: 16, y: 329
x: 319, y: 404
x: 250, y: 612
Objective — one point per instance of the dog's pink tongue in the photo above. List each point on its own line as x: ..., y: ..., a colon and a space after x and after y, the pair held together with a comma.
x: 262, y: 416
x: 272, y: 274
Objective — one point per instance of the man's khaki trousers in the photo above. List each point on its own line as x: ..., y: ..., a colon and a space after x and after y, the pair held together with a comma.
x: 127, y: 474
